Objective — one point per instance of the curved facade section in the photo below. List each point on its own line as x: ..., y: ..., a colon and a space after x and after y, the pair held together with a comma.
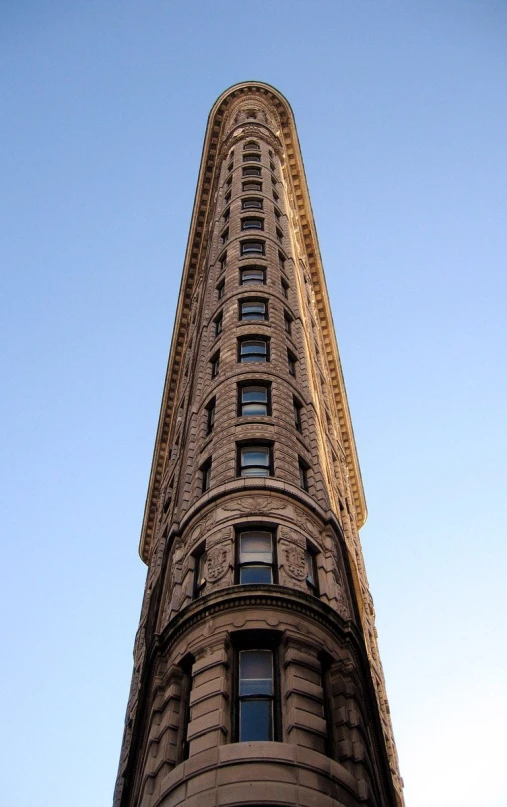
x: 256, y: 671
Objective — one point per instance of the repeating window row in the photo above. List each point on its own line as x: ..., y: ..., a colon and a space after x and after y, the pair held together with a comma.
x: 250, y: 276
x: 252, y: 309
x: 254, y: 460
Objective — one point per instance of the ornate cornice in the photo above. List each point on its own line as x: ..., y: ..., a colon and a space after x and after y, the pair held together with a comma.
x: 194, y: 259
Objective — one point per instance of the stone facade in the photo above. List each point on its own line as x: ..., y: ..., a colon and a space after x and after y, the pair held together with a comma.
x: 254, y: 504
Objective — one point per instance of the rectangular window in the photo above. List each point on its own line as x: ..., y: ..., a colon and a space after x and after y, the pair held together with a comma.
x: 219, y: 321
x: 206, y: 476
x: 279, y: 234
x: 251, y: 204
x: 272, y: 165
x: 252, y: 171
x: 256, y: 695
x: 253, y: 400
x: 252, y: 248
x: 223, y: 261
x: 230, y: 166
x: 254, y: 460
x: 252, y: 185
x: 227, y: 197
x: 297, y: 413
x: 253, y: 310
x: 303, y: 474
x: 253, y: 350
x: 312, y: 580
x: 275, y: 196
x: 287, y: 322
x: 221, y: 289
x: 210, y: 416
x: 225, y: 236
x: 199, y: 571
x: 291, y: 361
x: 215, y: 364
x: 278, y: 215
x: 227, y: 214
x: 251, y: 275
x: 252, y: 224
x: 251, y: 158
x: 255, y: 557
x: 281, y: 260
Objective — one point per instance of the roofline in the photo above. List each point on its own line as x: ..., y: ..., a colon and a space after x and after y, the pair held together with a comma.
x: 196, y: 246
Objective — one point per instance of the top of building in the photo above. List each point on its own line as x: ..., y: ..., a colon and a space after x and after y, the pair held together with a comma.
x: 278, y: 116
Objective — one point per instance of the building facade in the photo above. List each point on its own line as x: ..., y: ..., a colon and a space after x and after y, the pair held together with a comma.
x: 257, y: 679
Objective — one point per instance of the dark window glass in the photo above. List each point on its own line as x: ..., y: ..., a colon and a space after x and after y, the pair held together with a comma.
x: 210, y: 419
x: 227, y: 214
x: 253, y: 350
x: 272, y: 165
x: 287, y: 321
x: 253, y: 400
x: 251, y: 204
x: 279, y: 234
x: 223, y: 261
x: 255, y: 557
x: 252, y: 185
x: 219, y: 321
x: 311, y: 571
x: 252, y: 247
x: 251, y: 158
x: 281, y: 260
x: 278, y: 215
x: 251, y: 275
x: 206, y: 475
x: 252, y: 171
x: 199, y: 571
x: 303, y: 474
x: 227, y: 197
x: 251, y: 145
x: 297, y: 414
x: 252, y: 310
x: 254, y: 460
x: 256, y: 695
x: 221, y: 289
x: 285, y: 288
x: 215, y: 364
x: 291, y: 361
x: 275, y: 195
x: 225, y: 236
x: 252, y: 224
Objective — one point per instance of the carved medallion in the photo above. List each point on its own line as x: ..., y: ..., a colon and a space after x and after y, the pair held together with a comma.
x: 296, y: 563
x: 216, y: 564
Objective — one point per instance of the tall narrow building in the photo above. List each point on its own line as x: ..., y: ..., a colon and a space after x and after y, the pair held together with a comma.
x: 257, y: 679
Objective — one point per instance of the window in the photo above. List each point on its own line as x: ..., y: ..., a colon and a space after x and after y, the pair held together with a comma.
x: 253, y: 310
x: 275, y: 195
x: 252, y: 171
x: 272, y: 165
x: 230, y: 166
x: 303, y: 473
x: 252, y: 224
x: 252, y: 247
x: 221, y: 289
x: 254, y: 400
x: 255, y: 557
x: 227, y: 197
x: 287, y: 322
x: 281, y: 260
x: 199, y: 571
x: 256, y: 695
x: 227, y: 214
x: 251, y: 158
x: 285, y: 288
x: 219, y: 321
x: 291, y: 360
x: 254, y: 460
x: 223, y: 261
x: 312, y: 580
x: 210, y: 415
x: 251, y: 145
x: 253, y: 350
x: 297, y: 413
x: 215, y: 364
x: 206, y: 475
x: 252, y: 275
x: 278, y: 215
x: 252, y: 185
x: 228, y: 182
x: 251, y: 204
x: 279, y: 234
x: 225, y: 236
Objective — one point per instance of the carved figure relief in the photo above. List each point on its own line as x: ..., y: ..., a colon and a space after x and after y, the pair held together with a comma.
x: 295, y: 562
x: 217, y: 563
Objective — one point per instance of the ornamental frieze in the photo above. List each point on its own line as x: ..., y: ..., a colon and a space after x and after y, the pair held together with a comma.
x: 259, y: 505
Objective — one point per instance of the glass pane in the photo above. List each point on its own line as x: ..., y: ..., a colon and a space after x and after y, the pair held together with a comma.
x: 255, y: 471
x: 255, y: 672
x: 254, y: 456
x: 257, y: 394
x: 252, y: 276
x: 255, y: 547
x: 256, y: 574
x: 253, y: 310
x: 251, y: 224
x: 253, y: 351
x: 255, y: 720
x: 249, y: 410
x: 309, y: 567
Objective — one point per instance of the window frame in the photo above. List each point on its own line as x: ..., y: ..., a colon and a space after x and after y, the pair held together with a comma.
x: 303, y: 467
x: 199, y: 557
x: 244, y: 251
x: 251, y: 186
x: 252, y: 157
x: 252, y: 300
x: 220, y: 289
x: 285, y: 287
x: 246, y: 385
x: 252, y: 640
x: 239, y: 565
x: 248, y: 220
x: 218, y: 322
x: 251, y: 145
x: 210, y: 415
x: 252, y: 338
x: 298, y: 407
x: 251, y: 171
x: 245, y: 206
x: 292, y: 363
x: 311, y: 554
x: 254, y: 445
x: 215, y: 364
x: 288, y: 319
x: 252, y: 268
x: 205, y: 471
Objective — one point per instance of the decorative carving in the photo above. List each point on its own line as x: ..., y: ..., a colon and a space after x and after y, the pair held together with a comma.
x: 295, y: 562
x: 254, y: 504
x: 305, y: 522
x: 217, y: 563
x: 288, y: 534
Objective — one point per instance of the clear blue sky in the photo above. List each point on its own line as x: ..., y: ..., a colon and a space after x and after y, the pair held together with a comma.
x: 401, y: 111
